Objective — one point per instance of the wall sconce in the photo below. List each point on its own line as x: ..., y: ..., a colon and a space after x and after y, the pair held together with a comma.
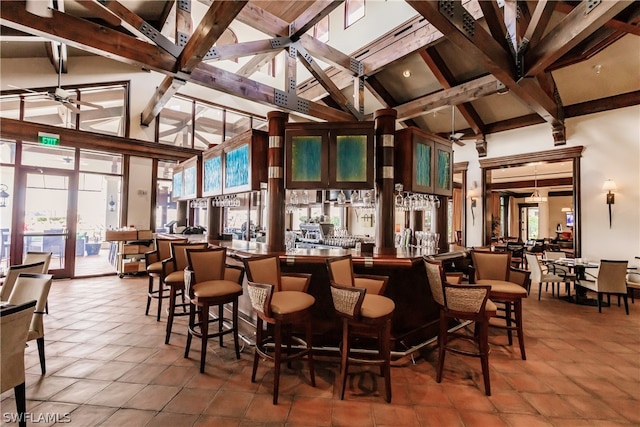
x: 112, y: 205
x: 610, y: 186
x: 3, y: 195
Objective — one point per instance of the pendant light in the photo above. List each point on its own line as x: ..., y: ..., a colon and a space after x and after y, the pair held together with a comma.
x: 535, y: 196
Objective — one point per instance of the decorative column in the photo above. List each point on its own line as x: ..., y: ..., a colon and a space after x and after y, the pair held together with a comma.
x: 275, y: 183
x: 385, y: 127
x: 214, y: 221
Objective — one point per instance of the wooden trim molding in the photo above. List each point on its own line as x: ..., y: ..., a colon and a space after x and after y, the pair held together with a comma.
x: 28, y: 131
x: 539, y: 156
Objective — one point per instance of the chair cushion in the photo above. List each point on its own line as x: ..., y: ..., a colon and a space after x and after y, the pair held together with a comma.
x: 553, y: 278
x: 490, y: 308
x: 286, y: 302
x: 502, y: 289
x: 155, y: 268
x: 216, y: 288
x: 175, y: 278
x: 375, y: 306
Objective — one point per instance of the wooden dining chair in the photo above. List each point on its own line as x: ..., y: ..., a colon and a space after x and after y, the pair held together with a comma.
x: 611, y: 280
x: 14, y: 324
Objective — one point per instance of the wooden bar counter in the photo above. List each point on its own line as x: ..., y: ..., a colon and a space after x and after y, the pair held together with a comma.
x: 415, y: 319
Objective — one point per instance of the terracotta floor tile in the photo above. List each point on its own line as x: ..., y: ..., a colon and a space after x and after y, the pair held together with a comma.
x: 47, y: 387
x: 112, y: 370
x: 229, y: 404
x: 582, y: 370
x: 210, y: 421
x: 115, y: 394
x: 481, y: 419
x: 261, y: 408
x: 80, y: 391
x: 167, y: 419
x: 189, y: 401
x: 152, y: 397
x: 438, y: 416
x: 385, y: 414
x: 310, y: 411
x: 87, y: 415
x: 346, y: 414
x: 128, y: 418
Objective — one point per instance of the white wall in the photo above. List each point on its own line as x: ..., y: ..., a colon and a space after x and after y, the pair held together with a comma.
x: 140, y: 184
x: 612, y: 150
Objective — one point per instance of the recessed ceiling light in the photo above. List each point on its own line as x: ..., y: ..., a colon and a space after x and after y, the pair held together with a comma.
x: 406, y: 73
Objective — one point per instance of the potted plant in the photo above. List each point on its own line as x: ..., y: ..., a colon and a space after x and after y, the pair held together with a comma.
x: 93, y: 247
x: 81, y: 240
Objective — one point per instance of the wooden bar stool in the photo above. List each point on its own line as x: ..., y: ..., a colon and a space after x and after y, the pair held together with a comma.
x: 461, y: 302
x: 280, y: 300
x: 173, y: 278
x: 508, y: 286
x: 358, y: 300
x: 206, y: 287
x: 153, y: 262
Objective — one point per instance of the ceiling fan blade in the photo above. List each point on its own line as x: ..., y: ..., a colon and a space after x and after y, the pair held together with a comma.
x: 70, y: 106
x: 86, y: 104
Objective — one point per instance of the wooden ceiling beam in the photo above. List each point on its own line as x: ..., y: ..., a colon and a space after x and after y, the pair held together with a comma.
x: 495, y: 21
x: 481, y: 47
x: 379, y: 92
x: 311, y: 16
x: 28, y: 131
x: 160, y: 98
x: 231, y: 83
x: 105, y: 14
x: 103, y: 41
x: 258, y: 47
x: 314, y: 68
x: 464, y: 92
x: 539, y: 21
x: 139, y: 26
x: 579, y: 24
x: 217, y: 18
x: 445, y: 77
x: 87, y: 36
x: 255, y: 63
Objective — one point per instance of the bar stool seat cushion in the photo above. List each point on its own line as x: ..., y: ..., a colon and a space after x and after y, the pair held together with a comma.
x: 155, y: 267
x: 490, y: 308
x: 286, y: 302
x: 215, y: 288
x: 375, y: 306
x: 503, y: 288
x: 175, y: 277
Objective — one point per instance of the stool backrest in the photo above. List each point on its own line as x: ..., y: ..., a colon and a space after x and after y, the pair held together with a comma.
x: 341, y: 270
x: 491, y: 265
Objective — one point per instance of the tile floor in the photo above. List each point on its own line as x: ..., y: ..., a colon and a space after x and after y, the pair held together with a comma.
x: 107, y: 365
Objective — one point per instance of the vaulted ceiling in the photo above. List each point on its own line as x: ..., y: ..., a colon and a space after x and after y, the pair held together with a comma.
x: 502, y: 64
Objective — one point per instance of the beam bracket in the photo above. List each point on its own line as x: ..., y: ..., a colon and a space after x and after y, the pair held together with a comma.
x: 184, y: 5
x: 291, y: 101
x: 356, y: 67
x: 590, y: 5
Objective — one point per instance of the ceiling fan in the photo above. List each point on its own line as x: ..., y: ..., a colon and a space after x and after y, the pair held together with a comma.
x: 455, y: 136
x: 64, y: 97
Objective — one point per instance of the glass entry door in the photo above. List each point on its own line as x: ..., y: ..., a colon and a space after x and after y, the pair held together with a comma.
x: 49, y: 218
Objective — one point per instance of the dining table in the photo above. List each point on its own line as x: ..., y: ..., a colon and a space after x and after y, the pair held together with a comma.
x: 579, y: 267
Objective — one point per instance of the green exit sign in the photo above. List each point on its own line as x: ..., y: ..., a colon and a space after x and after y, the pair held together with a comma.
x: 48, y: 138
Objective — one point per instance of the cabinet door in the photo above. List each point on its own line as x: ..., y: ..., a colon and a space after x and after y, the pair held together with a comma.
x: 351, y: 165
x: 307, y: 158
x: 443, y: 182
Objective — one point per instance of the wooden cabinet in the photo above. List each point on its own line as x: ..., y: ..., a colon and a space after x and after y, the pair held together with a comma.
x: 329, y: 156
x: 237, y: 165
x: 423, y: 162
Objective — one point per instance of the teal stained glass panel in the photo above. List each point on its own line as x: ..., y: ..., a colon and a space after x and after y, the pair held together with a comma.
x: 213, y: 175
x: 189, y: 181
x: 351, y: 158
x: 177, y: 184
x: 237, y: 167
x: 306, y: 158
x: 444, y: 170
x: 423, y: 165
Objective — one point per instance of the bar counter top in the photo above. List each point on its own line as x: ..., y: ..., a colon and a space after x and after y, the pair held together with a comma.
x: 415, y: 318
